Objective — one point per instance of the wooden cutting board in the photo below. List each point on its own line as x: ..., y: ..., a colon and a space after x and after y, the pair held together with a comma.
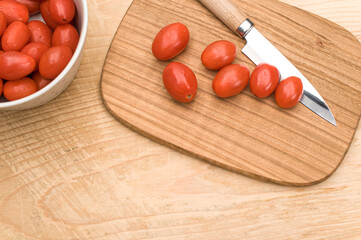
x: 244, y: 134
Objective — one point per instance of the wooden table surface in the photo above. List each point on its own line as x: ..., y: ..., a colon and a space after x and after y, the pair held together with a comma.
x: 69, y: 171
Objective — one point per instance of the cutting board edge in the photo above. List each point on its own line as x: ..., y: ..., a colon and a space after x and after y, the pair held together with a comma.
x: 355, y: 39
x: 214, y: 163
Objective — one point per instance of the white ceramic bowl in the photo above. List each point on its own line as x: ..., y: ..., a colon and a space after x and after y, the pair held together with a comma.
x: 59, y: 84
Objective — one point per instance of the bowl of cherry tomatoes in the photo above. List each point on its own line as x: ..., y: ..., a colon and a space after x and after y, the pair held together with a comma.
x: 41, y: 46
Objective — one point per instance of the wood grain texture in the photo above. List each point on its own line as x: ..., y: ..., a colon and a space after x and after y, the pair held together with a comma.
x: 70, y: 171
x: 245, y: 134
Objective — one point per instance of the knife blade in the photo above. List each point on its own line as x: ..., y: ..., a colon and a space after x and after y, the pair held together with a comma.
x: 259, y: 50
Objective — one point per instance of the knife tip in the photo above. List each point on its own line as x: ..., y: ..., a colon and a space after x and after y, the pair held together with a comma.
x: 331, y: 119
x: 333, y: 122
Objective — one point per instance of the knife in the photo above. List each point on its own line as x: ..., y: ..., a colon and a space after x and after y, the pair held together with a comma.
x: 259, y: 50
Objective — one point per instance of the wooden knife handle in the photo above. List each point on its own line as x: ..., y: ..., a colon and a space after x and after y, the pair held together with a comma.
x: 227, y: 12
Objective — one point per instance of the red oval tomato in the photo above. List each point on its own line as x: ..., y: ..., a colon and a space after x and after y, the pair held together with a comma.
x: 66, y: 34
x: 40, y: 81
x: 40, y: 32
x: 44, y: 10
x: 3, y: 23
x: 62, y: 11
x: 231, y: 80
x: 14, y: 11
x: 15, y: 65
x: 36, y: 50
x: 180, y: 82
x: 289, y: 92
x: 170, y: 41
x: 33, y: 6
x: 54, y: 60
x: 1, y: 86
x: 15, y: 37
x: 219, y: 54
x: 20, y: 88
x: 264, y: 80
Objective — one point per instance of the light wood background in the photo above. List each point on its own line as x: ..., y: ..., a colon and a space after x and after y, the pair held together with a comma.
x: 69, y: 171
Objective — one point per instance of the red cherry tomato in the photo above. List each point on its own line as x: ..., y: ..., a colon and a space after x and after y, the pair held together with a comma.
x: 14, y: 11
x: 62, y: 11
x: 40, y: 32
x: 231, y: 80
x: 33, y: 6
x: 66, y: 34
x: 15, y: 37
x: 40, y: 81
x: 3, y: 23
x: 180, y: 82
x: 1, y: 86
x: 15, y: 65
x: 264, y: 80
x: 170, y: 41
x: 289, y: 92
x: 36, y: 50
x: 20, y: 88
x: 54, y: 60
x: 44, y: 10
x: 219, y: 54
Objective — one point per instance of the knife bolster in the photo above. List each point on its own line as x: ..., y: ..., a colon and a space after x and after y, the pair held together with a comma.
x: 245, y: 28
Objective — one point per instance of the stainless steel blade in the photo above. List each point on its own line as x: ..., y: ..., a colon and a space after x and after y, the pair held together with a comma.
x: 260, y: 50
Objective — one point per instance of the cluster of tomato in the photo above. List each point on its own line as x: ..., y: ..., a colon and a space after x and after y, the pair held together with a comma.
x: 33, y: 53
x: 232, y: 79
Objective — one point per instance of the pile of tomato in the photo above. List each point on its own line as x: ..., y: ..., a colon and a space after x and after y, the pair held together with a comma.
x: 33, y: 53
x: 181, y: 82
